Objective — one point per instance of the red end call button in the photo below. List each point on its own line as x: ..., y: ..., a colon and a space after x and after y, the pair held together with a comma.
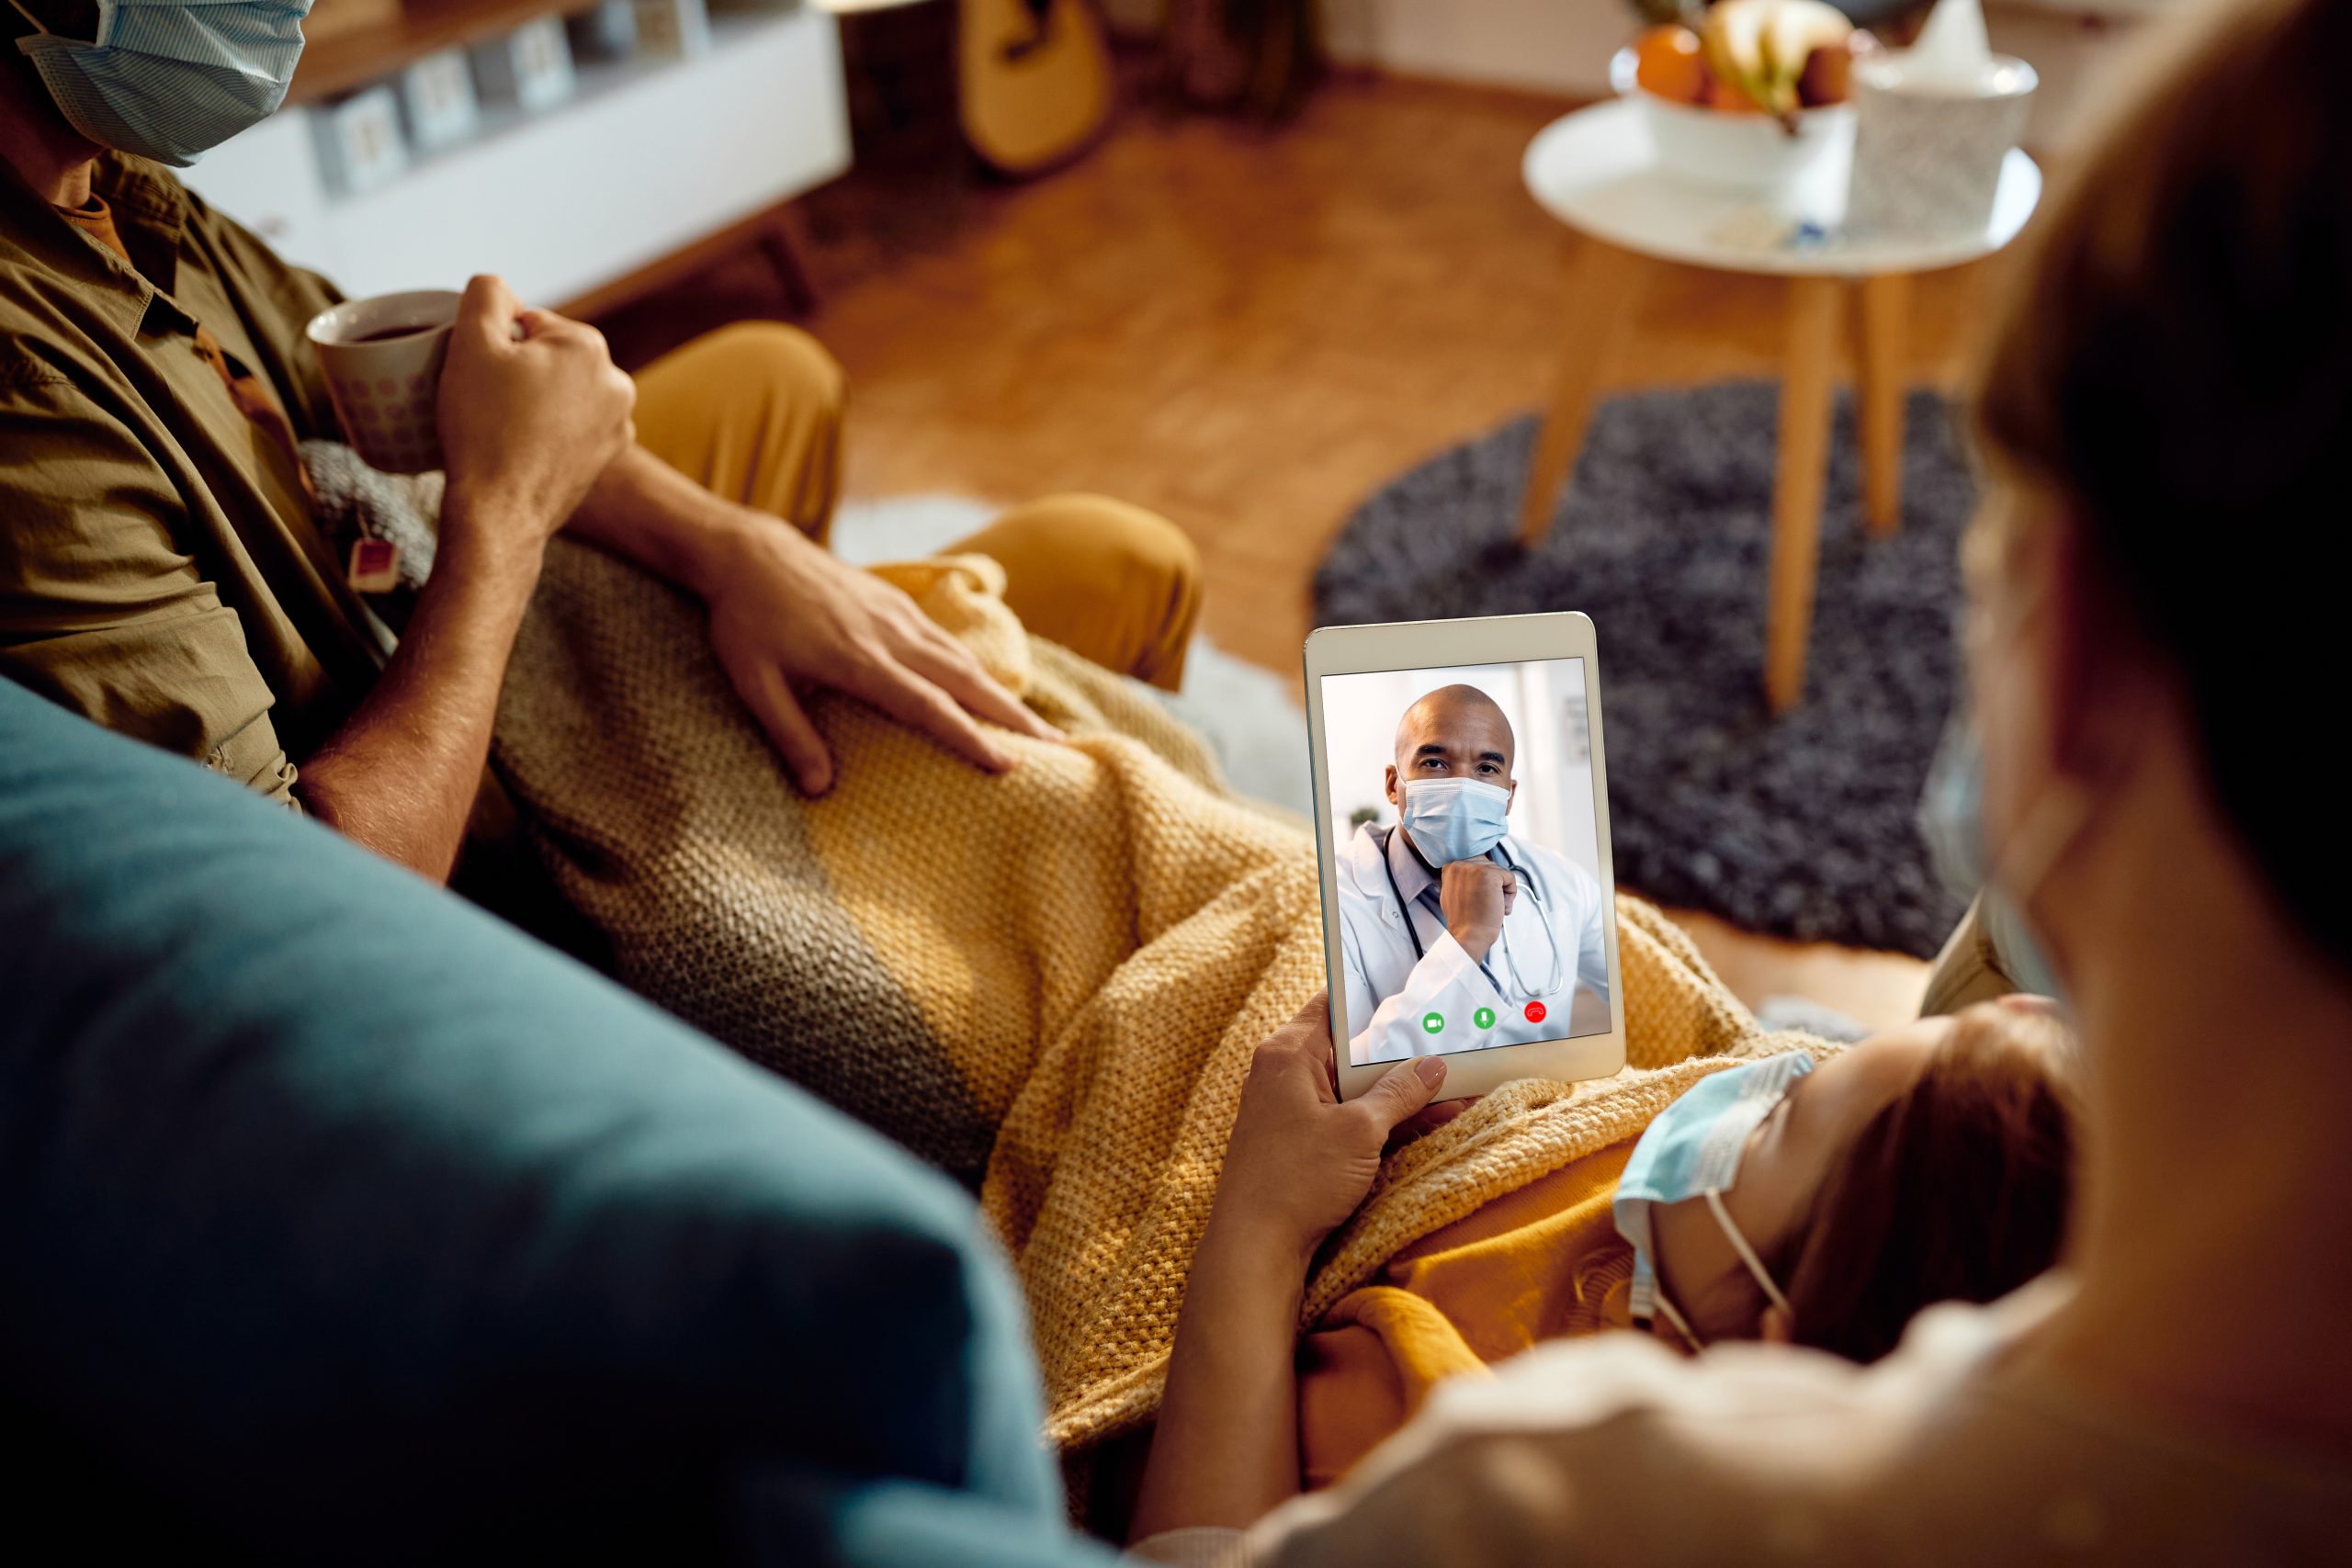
x: 1535, y: 1012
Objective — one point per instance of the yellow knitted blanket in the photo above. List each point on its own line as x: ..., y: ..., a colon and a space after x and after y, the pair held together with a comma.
x: 1050, y: 982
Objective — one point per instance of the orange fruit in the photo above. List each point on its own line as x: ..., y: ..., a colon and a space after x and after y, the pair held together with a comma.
x: 1668, y: 63
x: 1723, y: 96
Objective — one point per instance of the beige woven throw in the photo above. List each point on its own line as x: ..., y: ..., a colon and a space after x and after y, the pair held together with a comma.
x: 1048, y: 983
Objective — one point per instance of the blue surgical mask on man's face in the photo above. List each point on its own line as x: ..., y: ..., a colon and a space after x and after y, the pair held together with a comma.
x: 1692, y: 1150
x: 1951, y: 818
x: 2005, y: 877
x: 1452, y: 819
x: 172, y: 81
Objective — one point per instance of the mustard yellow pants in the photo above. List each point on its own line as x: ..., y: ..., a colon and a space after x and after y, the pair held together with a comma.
x: 754, y: 411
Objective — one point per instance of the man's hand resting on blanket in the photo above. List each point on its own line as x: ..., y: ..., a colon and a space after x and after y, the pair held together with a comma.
x: 1299, y: 1161
x: 786, y: 616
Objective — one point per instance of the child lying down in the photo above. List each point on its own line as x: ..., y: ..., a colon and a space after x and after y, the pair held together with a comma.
x: 1923, y: 1165
x: 1055, y: 982
x: 1778, y: 1201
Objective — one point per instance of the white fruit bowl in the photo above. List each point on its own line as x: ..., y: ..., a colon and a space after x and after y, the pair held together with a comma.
x: 1736, y: 152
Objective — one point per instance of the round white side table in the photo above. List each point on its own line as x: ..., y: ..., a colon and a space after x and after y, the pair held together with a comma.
x: 1595, y: 171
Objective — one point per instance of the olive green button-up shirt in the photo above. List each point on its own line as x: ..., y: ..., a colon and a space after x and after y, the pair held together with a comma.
x: 159, y: 571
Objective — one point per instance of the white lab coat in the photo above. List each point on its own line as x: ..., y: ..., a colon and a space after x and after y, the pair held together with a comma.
x: 1391, y: 995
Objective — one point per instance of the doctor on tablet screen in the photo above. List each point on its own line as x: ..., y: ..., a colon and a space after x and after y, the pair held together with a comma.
x: 1455, y: 934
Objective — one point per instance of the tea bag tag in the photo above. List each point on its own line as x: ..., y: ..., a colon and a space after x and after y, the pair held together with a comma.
x: 375, y: 565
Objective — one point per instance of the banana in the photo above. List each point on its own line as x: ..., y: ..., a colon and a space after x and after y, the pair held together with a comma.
x: 1796, y: 29
x: 1734, y: 40
x: 1760, y: 47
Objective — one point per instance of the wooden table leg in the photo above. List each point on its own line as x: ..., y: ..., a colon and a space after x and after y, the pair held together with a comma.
x: 1886, y: 306
x: 1607, y: 290
x: 1796, y: 485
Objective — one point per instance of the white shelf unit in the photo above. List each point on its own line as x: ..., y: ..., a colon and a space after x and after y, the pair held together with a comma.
x: 647, y: 157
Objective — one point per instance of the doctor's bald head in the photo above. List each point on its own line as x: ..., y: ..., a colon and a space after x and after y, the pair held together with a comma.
x: 1454, y: 732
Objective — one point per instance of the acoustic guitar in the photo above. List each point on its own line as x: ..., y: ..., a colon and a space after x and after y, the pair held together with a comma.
x: 1036, y: 81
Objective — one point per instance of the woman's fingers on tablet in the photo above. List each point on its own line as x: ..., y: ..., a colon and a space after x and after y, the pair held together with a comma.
x: 1302, y: 1048
x: 1402, y: 1091
x: 1308, y: 1035
x: 1316, y: 1010
x: 1308, y: 1032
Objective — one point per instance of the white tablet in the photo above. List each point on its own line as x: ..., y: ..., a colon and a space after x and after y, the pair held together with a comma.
x: 1462, y: 816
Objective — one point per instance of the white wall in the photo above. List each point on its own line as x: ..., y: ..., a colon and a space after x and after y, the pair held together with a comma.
x: 1550, y: 45
x: 1563, y: 46
x: 1546, y: 704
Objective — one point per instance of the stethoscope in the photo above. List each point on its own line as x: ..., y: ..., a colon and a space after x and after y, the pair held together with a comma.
x: 1510, y: 963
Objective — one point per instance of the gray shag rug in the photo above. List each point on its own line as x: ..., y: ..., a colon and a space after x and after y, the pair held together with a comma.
x: 1804, y: 826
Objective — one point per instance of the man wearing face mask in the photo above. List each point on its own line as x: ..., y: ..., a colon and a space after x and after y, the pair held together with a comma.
x: 162, y: 571
x: 1455, y: 934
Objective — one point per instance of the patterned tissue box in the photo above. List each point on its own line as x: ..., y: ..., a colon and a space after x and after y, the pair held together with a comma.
x: 1927, y: 157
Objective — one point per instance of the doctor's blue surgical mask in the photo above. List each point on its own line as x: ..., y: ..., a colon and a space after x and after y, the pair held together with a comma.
x: 1692, y: 1150
x: 171, y: 82
x: 1452, y: 819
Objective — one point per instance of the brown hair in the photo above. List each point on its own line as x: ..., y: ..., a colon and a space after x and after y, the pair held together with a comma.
x: 2174, y: 367
x: 1957, y: 1189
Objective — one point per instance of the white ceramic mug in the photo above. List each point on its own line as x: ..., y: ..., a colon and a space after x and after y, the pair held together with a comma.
x: 382, y: 358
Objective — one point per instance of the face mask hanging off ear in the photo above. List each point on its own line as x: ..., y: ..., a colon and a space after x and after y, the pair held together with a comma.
x: 1692, y: 1150
x: 171, y: 81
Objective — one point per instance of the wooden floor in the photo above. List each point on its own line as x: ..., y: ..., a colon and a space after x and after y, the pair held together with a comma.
x: 1249, y: 331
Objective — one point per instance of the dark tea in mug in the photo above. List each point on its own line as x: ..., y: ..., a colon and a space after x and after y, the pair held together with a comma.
x: 382, y: 357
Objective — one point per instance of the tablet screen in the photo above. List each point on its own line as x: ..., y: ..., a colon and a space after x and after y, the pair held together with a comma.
x: 1464, y: 824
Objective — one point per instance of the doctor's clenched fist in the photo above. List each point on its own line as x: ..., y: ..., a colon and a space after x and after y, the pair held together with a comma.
x: 1476, y: 896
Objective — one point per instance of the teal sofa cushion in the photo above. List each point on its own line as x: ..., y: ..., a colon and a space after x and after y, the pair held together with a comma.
x: 339, y: 1220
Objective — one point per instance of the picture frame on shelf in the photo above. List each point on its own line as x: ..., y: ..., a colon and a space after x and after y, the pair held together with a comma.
x: 529, y: 69
x: 360, y: 140
x: 671, y: 29
x: 437, y: 92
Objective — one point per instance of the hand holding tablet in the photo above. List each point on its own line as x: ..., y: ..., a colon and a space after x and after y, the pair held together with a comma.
x: 1468, y: 900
